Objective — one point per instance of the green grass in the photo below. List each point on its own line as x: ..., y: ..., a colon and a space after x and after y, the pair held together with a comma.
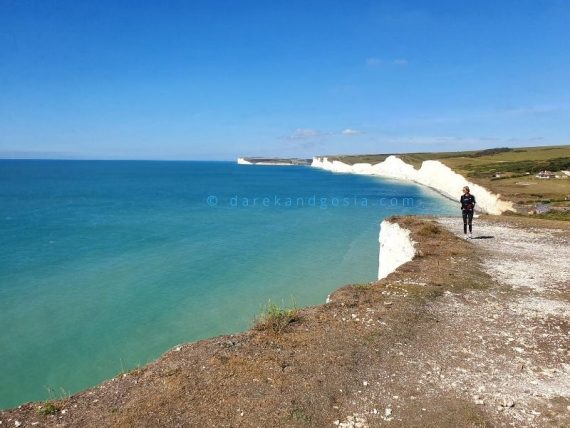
x: 519, y: 168
x: 554, y: 215
x: 352, y: 159
x: 275, y: 318
x: 362, y: 286
x: 474, y: 157
x: 49, y: 408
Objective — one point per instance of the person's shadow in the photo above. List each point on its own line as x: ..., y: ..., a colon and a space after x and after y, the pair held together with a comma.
x: 483, y: 237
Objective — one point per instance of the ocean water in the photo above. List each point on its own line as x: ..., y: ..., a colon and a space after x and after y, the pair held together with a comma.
x: 105, y: 265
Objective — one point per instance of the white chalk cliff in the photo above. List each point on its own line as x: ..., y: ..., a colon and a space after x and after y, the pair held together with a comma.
x: 396, y: 248
x: 432, y: 173
x: 242, y: 161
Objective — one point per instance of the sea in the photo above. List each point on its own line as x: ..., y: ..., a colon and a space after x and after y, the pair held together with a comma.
x: 106, y: 265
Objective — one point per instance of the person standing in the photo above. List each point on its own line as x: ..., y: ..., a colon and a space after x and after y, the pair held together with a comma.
x: 467, y: 201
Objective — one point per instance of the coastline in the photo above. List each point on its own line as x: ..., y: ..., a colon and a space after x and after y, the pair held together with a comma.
x: 432, y: 174
x: 273, y: 161
x: 419, y: 260
x: 403, y: 349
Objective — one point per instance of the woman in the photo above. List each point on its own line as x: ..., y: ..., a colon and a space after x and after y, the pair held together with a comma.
x: 467, y: 201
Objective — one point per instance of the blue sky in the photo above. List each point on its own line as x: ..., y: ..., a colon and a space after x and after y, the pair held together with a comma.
x: 217, y: 79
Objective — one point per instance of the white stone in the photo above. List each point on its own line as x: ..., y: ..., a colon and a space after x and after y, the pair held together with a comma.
x: 396, y: 248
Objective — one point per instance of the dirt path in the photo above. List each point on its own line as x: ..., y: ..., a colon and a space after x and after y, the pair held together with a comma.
x: 468, y: 334
x: 513, y: 355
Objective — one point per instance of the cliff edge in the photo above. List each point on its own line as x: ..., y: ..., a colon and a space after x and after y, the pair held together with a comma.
x: 464, y: 334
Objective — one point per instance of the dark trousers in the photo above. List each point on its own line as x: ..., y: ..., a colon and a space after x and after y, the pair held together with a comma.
x: 467, y: 219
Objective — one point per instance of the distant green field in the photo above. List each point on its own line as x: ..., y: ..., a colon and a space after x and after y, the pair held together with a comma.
x: 520, y: 160
x: 472, y: 158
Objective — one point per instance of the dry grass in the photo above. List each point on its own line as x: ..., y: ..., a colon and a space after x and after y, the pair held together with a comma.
x: 429, y: 229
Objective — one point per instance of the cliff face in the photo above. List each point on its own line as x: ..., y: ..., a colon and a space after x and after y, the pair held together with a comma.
x: 396, y: 248
x: 273, y: 161
x: 242, y: 161
x: 433, y: 174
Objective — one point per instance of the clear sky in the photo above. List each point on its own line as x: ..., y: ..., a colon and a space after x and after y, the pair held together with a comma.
x: 216, y: 79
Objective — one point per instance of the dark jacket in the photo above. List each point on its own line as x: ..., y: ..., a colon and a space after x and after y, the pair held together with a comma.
x: 467, y: 202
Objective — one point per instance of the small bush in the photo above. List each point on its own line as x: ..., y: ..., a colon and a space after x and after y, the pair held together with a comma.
x: 490, y: 152
x: 300, y: 416
x: 429, y: 229
x: 275, y: 318
x: 49, y: 408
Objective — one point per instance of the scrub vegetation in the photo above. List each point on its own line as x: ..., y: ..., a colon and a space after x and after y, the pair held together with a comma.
x: 275, y: 318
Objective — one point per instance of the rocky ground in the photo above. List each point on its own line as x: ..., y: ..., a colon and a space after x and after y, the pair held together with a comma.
x: 470, y: 333
x: 516, y: 362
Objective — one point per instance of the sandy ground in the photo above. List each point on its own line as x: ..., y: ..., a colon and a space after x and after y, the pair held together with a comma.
x: 468, y: 334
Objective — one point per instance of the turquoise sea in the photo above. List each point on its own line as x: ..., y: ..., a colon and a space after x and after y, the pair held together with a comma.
x: 105, y: 265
